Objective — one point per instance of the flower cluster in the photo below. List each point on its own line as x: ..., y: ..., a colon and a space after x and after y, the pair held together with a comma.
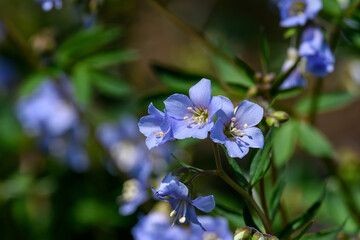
x: 48, y: 5
x: 317, y: 57
x: 47, y: 114
x: 156, y: 225
x: 193, y: 117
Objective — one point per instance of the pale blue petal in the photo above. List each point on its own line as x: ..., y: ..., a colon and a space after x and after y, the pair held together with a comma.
x: 248, y: 113
x: 149, y: 125
x: 155, y: 112
x: 215, y: 105
x: 174, y: 189
x: 227, y: 107
x: 254, y: 137
x: 205, y: 204
x: 217, y: 132
x: 191, y: 214
x: 176, y: 106
x: 183, y: 129
x: 200, y: 93
x: 236, y: 150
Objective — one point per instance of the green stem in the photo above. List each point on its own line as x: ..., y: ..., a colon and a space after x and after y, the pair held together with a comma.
x: 221, y: 173
x: 315, y: 100
x: 263, y: 200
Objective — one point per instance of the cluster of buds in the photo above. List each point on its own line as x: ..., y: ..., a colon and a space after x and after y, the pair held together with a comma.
x: 276, y: 118
x: 249, y: 233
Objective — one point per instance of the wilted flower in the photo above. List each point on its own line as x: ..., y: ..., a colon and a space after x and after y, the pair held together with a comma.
x: 156, y: 226
x: 297, y: 12
x: 216, y: 228
x: 235, y: 128
x: 319, y: 58
x: 47, y: 5
x: 156, y: 127
x: 295, y: 79
x: 176, y: 193
x: 193, y: 117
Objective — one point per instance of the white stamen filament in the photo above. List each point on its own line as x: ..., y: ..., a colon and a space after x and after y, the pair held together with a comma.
x: 199, y: 116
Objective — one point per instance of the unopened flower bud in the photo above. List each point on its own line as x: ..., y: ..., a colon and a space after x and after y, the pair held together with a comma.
x: 243, y: 233
x: 258, y: 76
x: 269, y: 77
x: 281, y: 116
x: 258, y: 236
x: 272, y: 121
x: 252, y: 91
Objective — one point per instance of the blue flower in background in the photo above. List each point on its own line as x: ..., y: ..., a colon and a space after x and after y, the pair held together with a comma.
x: 235, y: 129
x: 297, y: 12
x: 45, y: 111
x: 295, y: 79
x: 216, y: 228
x: 156, y: 127
x: 193, y: 117
x: 319, y: 58
x: 176, y: 193
x: 47, y: 5
x: 156, y: 226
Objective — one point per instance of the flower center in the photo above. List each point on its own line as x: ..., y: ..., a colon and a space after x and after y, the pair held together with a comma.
x: 297, y: 8
x: 210, y: 236
x: 200, y: 116
x: 130, y: 190
x: 233, y: 131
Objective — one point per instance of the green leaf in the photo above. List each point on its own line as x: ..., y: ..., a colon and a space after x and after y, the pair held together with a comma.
x: 284, y: 142
x: 109, y: 84
x: 290, y: 32
x: 276, y: 198
x: 234, y: 165
x: 85, y: 42
x: 302, y: 220
x: 301, y: 234
x: 327, y: 102
x: 82, y: 84
x: 261, y: 162
x: 184, y: 164
x: 107, y: 59
x: 331, y: 7
x: 232, y: 74
x: 30, y: 83
x: 325, y: 234
x: 313, y: 141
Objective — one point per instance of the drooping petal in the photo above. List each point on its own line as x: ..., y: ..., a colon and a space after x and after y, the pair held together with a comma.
x: 154, y: 111
x: 248, y: 113
x: 153, y: 141
x: 217, y: 132
x: 215, y: 105
x: 174, y: 189
x: 149, y: 125
x: 254, y: 137
x: 177, y: 106
x: 200, y: 93
x: 236, y: 150
x: 191, y: 215
x: 205, y: 204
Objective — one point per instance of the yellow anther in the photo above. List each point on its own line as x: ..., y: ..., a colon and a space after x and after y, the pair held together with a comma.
x: 234, y: 129
x: 243, y: 134
x: 245, y: 126
x: 182, y: 220
x: 233, y: 119
x: 189, y: 108
x: 161, y: 134
x: 186, y: 118
x: 173, y: 212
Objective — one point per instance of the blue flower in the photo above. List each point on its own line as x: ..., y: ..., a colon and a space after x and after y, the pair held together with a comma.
x: 193, y: 117
x: 45, y: 111
x: 319, y: 58
x: 176, y: 193
x: 156, y: 127
x: 156, y: 226
x: 235, y: 129
x: 47, y: 5
x: 295, y: 79
x: 216, y: 228
x: 297, y: 12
